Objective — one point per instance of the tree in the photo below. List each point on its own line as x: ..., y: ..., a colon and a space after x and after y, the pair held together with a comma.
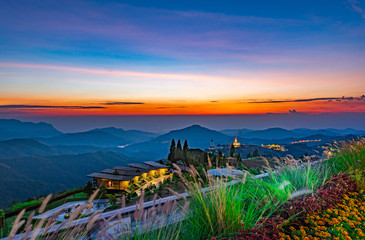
x: 186, y: 146
x: 89, y: 189
x: 220, y: 158
x: 239, y: 159
x: 2, y: 221
x: 178, y: 146
x: 171, y: 156
x: 256, y: 153
x: 232, y: 151
x: 185, y: 152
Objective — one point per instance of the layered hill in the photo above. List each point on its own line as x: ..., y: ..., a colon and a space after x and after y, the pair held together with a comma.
x: 157, y: 148
x: 11, y: 128
x: 24, y: 177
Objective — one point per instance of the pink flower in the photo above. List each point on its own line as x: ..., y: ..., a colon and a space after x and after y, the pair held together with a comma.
x: 356, y: 170
x: 358, y: 151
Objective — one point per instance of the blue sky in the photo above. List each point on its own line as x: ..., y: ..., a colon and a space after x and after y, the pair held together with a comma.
x: 180, y: 57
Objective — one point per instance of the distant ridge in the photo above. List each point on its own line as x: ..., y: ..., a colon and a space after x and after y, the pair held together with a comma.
x: 196, y: 135
x: 12, y: 128
x: 281, y: 133
x: 25, y: 177
x: 100, y: 137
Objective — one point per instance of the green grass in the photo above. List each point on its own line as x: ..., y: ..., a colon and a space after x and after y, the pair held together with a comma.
x: 81, y: 196
x: 222, y: 211
x: 23, y: 205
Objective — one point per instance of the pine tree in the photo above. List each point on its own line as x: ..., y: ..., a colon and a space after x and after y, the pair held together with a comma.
x: 185, y: 153
x: 186, y: 146
x: 239, y: 159
x: 171, y: 156
x: 2, y: 221
x: 178, y: 146
x: 256, y: 153
x: 232, y: 151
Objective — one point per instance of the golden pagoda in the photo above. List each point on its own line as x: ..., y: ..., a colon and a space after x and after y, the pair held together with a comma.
x: 236, y: 143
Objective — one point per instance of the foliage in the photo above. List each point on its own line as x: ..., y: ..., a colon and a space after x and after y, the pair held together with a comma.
x: 23, y: 205
x: 221, y: 211
x: 346, y: 156
x: 343, y: 221
x: 295, y: 210
x: 293, y: 176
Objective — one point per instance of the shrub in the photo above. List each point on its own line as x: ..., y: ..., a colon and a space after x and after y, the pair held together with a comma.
x: 343, y: 221
x: 296, y: 210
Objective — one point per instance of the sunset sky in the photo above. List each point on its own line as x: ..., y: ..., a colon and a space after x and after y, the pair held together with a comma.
x: 68, y: 58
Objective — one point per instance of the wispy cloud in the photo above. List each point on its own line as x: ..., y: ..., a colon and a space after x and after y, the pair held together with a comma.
x: 123, y: 73
x: 48, y: 107
x: 330, y: 99
x: 122, y: 103
x: 354, y: 4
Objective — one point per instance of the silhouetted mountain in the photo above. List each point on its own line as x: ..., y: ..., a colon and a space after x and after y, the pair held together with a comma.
x: 24, y: 147
x: 270, y: 133
x: 197, y: 137
x: 304, y: 132
x: 131, y: 136
x: 100, y: 137
x: 236, y: 132
x: 11, y: 128
x: 90, y: 138
x: 21, y: 147
x: 347, y: 131
x: 31, y: 176
x: 280, y: 133
x: 324, y: 139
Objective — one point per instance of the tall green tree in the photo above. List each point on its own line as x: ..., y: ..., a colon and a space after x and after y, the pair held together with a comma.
x: 232, y: 151
x: 186, y: 146
x: 256, y: 153
x: 178, y: 146
x: 239, y: 159
x: 2, y: 222
x: 171, y: 156
x: 185, y: 153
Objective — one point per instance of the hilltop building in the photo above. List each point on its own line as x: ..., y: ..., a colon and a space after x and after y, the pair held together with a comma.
x: 275, y: 147
x: 119, y: 178
x: 236, y: 144
x: 212, y: 146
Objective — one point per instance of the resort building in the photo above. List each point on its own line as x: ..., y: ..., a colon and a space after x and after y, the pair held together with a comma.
x: 119, y: 178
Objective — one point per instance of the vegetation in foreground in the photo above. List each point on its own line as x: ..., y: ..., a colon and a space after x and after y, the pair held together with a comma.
x: 278, y: 206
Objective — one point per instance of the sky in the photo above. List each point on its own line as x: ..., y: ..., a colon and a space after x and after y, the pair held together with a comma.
x: 80, y: 59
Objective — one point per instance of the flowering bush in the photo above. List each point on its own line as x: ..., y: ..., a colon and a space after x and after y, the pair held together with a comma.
x: 331, y: 194
x: 344, y: 221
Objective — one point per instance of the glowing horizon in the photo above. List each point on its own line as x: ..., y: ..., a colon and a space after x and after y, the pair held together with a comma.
x: 89, y: 58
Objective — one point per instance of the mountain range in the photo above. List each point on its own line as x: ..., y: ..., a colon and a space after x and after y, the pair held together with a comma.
x: 36, y: 158
x: 280, y: 133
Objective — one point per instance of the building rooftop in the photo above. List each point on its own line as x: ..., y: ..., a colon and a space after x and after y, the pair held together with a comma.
x: 141, y: 166
x: 110, y: 176
x: 123, y: 173
x: 126, y: 169
x: 156, y: 164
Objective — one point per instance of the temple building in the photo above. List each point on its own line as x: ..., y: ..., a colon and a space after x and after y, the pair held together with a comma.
x: 236, y: 143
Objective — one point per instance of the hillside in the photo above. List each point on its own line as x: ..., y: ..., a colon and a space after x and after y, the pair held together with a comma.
x: 22, y: 147
x: 280, y: 133
x: 100, y: 137
x: 90, y: 138
x: 131, y: 136
x: 197, y: 137
x: 11, y: 128
x: 25, y: 177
